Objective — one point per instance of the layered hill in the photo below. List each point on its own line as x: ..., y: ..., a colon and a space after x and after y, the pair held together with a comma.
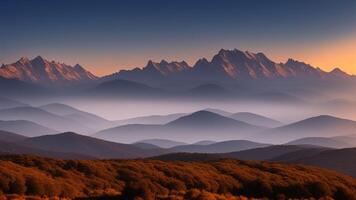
x: 90, y: 120
x: 26, y: 128
x: 83, y: 145
x: 218, y: 147
x: 331, y: 142
x: 319, y: 126
x: 201, y: 125
x: 43, y: 118
x: 255, y: 119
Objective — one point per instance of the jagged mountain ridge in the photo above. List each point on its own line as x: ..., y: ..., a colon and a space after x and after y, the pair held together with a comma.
x: 227, y: 65
x: 42, y: 71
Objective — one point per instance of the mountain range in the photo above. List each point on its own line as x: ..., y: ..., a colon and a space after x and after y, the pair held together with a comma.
x: 226, y: 67
x: 42, y: 71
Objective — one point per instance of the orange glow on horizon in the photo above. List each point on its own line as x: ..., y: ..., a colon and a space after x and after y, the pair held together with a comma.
x: 339, y: 52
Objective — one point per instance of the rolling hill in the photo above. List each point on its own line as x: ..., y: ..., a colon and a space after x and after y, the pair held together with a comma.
x: 10, y: 103
x: 320, y: 126
x: 43, y: 118
x: 87, y: 119
x: 10, y: 137
x: 153, y: 119
x: 79, y: 144
x: 331, y: 142
x: 269, y: 152
x: 257, y: 120
x: 201, y: 125
x: 342, y: 160
x: 26, y: 128
x: 219, y: 147
x: 162, y: 143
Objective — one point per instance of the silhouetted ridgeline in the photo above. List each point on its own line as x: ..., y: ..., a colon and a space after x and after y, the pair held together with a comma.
x: 153, y: 179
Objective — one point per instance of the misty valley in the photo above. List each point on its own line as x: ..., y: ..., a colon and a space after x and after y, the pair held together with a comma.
x: 239, y: 126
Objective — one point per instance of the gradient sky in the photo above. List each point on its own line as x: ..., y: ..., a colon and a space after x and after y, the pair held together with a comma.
x: 105, y: 36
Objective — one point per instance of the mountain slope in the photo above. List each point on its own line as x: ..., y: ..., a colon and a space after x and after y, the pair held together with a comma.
x: 342, y: 160
x: 88, y: 119
x: 162, y: 143
x: 15, y: 88
x: 332, y: 142
x: 320, y: 126
x: 26, y: 128
x: 207, y: 119
x: 10, y: 137
x: 219, y: 112
x: 268, y: 153
x: 255, y: 119
x: 43, y: 118
x: 119, y: 87
x: 152, y: 119
x: 219, y: 147
x: 201, y: 125
x: 42, y: 71
x: 14, y: 148
x: 154, y: 72
x: 79, y: 144
x: 10, y: 103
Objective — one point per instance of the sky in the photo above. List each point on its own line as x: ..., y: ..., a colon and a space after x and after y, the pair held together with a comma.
x: 106, y: 36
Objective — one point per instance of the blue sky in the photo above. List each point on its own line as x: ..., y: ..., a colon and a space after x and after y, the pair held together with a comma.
x: 109, y: 35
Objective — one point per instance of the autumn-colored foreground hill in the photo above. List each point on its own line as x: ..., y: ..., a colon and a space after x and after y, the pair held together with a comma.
x: 153, y: 179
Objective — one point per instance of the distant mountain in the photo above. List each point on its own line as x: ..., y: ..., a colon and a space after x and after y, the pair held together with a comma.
x: 205, y: 142
x: 79, y: 144
x: 88, y: 119
x: 10, y: 103
x: 219, y: 112
x: 219, y: 147
x: 320, y: 126
x: 276, y: 97
x: 349, y: 139
x: 194, y: 127
x: 331, y: 142
x: 153, y: 72
x: 10, y: 144
x: 10, y: 137
x: 227, y: 66
x: 300, y: 154
x: 255, y: 119
x: 196, y: 157
x: 268, y: 153
x: 162, y: 143
x: 207, y: 119
x: 43, y: 118
x: 208, y: 90
x: 145, y: 145
x: 152, y: 119
x: 342, y: 160
x: 25, y: 128
x: 16, y: 88
x: 42, y: 71
x: 120, y: 87
x: 13, y: 148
